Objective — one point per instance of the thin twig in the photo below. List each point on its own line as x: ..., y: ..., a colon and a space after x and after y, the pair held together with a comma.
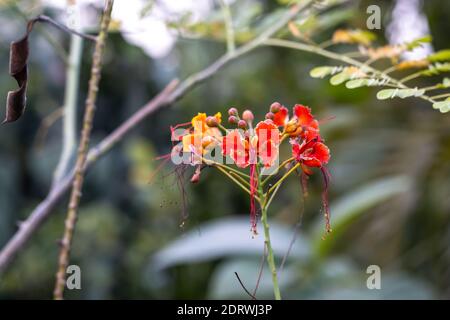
x: 46, y: 123
x: 261, y: 269
x: 294, y: 236
x: 75, y: 196
x: 243, y: 287
x: 44, y: 18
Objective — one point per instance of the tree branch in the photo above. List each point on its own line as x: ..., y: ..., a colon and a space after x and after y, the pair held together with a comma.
x: 168, y: 95
x: 83, y: 148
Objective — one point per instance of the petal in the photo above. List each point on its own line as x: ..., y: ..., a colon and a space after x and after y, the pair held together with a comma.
x: 199, y: 122
x: 267, y: 130
x: 322, y: 153
x: 281, y: 117
x: 218, y: 116
x: 296, y: 149
x: 236, y: 147
x: 192, y: 142
x: 303, y: 115
x: 310, y: 133
x: 317, y: 157
x: 268, y: 153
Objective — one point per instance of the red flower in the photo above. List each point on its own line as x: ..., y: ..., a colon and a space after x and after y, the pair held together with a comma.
x: 244, y: 149
x: 281, y: 117
x: 268, y: 142
x: 312, y: 153
x: 301, y: 124
x: 236, y: 145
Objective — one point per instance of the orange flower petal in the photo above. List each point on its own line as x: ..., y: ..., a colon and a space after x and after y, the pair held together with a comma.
x: 281, y: 117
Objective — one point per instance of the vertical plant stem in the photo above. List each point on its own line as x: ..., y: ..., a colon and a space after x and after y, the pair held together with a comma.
x: 270, y: 256
x: 228, y: 25
x: 70, y: 97
x: 82, y: 153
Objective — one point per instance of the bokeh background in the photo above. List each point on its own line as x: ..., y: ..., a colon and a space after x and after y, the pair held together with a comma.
x: 389, y: 194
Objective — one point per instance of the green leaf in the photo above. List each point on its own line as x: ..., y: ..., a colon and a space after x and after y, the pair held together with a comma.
x: 446, y: 83
x: 400, y: 93
x: 357, y: 83
x: 436, y: 69
x: 323, y: 71
x: 339, y: 78
x: 443, y: 55
x: 385, y: 94
x: 405, y: 93
x: 442, y: 106
x: 418, y: 42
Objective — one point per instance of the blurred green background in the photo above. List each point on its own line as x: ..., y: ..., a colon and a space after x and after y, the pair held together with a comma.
x: 389, y: 193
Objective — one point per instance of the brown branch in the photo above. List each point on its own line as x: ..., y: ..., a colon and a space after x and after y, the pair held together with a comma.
x: 72, y: 211
x: 167, y: 96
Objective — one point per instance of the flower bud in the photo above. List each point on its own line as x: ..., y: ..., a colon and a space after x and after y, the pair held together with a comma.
x: 196, y: 176
x: 275, y: 107
x: 269, y: 115
x: 248, y: 116
x: 212, y: 121
x: 233, y: 120
x: 232, y: 112
x: 242, y: 124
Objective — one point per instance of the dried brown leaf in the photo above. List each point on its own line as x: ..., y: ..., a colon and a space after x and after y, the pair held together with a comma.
x: 18, y: 68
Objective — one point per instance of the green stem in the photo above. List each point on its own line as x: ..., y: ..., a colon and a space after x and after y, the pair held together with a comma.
x: 270, y: 256
x: 439, y: 96
x: 285, y: 162
x: 70, y: 101
x: 282, y: 179
x: 235, y: 181
x: 242, y: 174
x: 228, y: 25
x: 410, y: 77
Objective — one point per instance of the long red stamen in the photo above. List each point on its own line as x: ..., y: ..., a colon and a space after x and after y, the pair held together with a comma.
x: 326, y: 209
x: 253, y: 188
x: 173, y: 128
x: 165, y: 158
x: 304, y: 179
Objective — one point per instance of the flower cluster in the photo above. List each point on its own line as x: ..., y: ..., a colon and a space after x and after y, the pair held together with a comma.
x: 206, y: 142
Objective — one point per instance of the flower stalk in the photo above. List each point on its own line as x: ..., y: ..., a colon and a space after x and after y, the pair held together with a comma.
x: 270, y: 255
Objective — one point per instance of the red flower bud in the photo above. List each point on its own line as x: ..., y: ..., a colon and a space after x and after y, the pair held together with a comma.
x: 275, y: 107
x: 232, y: 112
x: 212, y: 121
x: 242, y: 124
x: 233, y: 120
x: 269, y: 115
x: 248, y: 116
x: 196, y: 176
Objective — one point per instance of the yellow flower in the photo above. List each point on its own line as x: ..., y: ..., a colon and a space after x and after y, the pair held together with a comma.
x: 202, y: 137
x: 199, y: 121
